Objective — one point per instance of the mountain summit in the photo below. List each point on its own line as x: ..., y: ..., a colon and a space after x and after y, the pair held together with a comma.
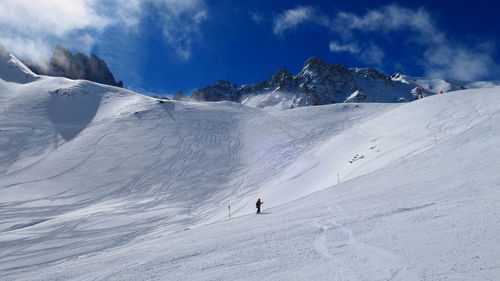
x: 317, y: 83
x: 13, y: 70
x: 80, y: 66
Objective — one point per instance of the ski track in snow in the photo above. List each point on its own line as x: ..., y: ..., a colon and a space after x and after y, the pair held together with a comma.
x: 140, y: 190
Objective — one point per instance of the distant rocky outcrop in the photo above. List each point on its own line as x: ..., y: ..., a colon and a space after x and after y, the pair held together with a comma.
x: 180, y: 96
x: 80, y: 66
x: 317, y: 83
x: 221, y: 90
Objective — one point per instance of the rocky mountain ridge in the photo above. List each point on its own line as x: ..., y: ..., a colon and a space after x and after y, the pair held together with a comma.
x: 79, y: 66
x: 317, y: 83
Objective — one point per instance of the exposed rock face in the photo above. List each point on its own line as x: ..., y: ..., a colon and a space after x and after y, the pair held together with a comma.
x: 222, y: 90
x: 282, y: 80
x: 317, y: 83
x: 180, y: 96
x: 79, y: 66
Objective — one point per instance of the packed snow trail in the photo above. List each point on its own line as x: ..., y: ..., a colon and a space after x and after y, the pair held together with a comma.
x: 100, y: 183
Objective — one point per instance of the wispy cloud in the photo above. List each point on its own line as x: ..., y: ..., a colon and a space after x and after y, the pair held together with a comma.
x: 373, y: 55
x: 349, y: 48
x: 290, y: 19
x: 32, y: 28
x: 439, y: 54
x: 256, y: 17
x: 459, y: 62
x: 181, y: 21
x: 387, y: 19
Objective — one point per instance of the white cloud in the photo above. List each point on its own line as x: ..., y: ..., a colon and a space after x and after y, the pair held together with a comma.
x: 349, y: 48
x: 58, y: 16
x: 459, y: 62
x: 25, y: 26
x: 373, y: 55
x: 439, y: 54
x: 181, y: 21
x: 32, y: 28
x: 290, y: 19
x: 125, y: 12
x: 387, y: 19
x: 370, y: 54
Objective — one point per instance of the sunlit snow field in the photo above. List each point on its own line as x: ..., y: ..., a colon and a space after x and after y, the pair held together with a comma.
x: 101, y: 183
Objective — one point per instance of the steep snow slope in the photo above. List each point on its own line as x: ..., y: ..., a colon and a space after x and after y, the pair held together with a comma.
x: 99, y: 183
x: 12, y: 70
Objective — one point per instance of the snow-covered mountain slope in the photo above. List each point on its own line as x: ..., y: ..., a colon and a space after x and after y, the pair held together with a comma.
x: 80, y: 158
x: 13, y: 70
x: 100, y: 183
x: 436, y: 85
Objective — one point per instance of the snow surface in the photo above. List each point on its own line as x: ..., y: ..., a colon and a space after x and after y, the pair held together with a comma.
x: 274, y: 100
x: 13, y: 70
x: 436, y: 85
x: 100, y: 183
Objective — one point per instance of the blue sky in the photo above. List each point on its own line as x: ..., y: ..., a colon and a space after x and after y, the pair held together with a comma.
x: 168, y: 45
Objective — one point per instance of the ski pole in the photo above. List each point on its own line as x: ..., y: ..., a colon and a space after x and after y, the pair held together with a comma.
x: 229, y: 209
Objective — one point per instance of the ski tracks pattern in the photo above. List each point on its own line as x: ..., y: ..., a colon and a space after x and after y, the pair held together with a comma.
x: 353, y: 259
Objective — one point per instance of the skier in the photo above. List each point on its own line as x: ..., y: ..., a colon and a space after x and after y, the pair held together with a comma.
x: 420, y: 92
x: 257, y: 205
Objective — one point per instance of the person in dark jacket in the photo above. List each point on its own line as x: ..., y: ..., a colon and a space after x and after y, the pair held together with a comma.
x: 257, y: 205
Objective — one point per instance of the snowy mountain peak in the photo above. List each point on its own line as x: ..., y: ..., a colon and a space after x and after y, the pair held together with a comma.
x: 13, y: 70
x: 317, y: 83
x: 314, y: 62
x: 317, y: 67
x: 282, y: 74
x: 398, y: 76
x: 370, y: 73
